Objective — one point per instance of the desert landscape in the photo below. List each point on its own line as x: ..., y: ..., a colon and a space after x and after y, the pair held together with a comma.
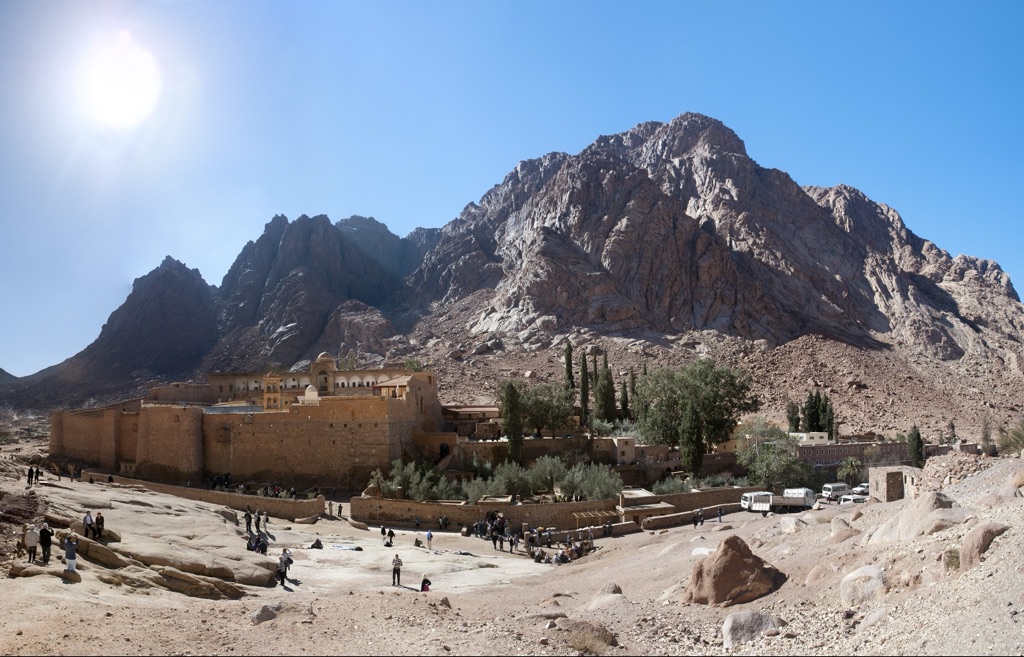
x: 936, y: 575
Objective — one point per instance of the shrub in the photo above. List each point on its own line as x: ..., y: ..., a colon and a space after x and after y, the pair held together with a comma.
x: 670, y: 486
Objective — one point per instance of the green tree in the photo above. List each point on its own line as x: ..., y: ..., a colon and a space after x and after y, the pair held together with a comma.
x: 624, y: 401
x: 632, y: 394
x: 769, y: 455
x: 849, y: 469
x: 951, y: 436
x: 570, y: 382
x: 584, y: 392
x: 512, y: 417
x: 916, y: 447
x: 829, y: 421
x: 546, y: 406
x: 1012, y: 439
x: 604, y: 395
x: 546, y: 472
x: 591, y: 482
x: 793, y: 416
x: 695, y: 408
x: 810, y: 414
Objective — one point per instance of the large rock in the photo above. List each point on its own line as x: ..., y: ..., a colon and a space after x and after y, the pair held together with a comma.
x: 746, y: 626
x: 791, y: 524
x: 866, y: 584
x: 732, y: 575
x: 929, y: 513
x: 590, y: 629
x: 977, y: 542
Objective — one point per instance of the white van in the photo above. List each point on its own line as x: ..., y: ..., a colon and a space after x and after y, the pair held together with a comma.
x: 833, y: 492
x: 747, y: 500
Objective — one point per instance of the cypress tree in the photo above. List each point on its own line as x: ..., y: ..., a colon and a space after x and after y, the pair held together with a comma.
x: 916, y: 447
x: 570, y: 381
x: 584, y: 392
x: 624, y: 402
x: 793, y: 416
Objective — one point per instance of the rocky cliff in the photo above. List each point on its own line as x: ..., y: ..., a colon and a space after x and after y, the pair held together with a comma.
x: 667, y: 240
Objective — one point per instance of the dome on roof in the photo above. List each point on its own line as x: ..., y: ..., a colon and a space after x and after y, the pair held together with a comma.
x: 324, y: 356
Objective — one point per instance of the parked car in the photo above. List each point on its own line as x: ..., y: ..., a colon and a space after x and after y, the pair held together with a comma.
x: 862, y: 489
x: 832, y: 492
x: 853, y: 499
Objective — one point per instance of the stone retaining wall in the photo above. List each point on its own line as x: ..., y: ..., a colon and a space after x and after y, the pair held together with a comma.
x: 274, y: 506
x: 403, y: 513
x: 686, y: 517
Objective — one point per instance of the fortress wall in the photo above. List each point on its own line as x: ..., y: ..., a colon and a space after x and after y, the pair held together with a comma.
x: 378, y: 510
x: 169, y: 446
x: 80, y: 435
x: 128, y: 438
x: 429, y: 442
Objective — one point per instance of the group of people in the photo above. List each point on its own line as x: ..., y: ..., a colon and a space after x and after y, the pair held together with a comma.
x: 92, y: 525
x: 387, y: 536
x: 570, y: 549
x: 396, y: 574
x: 34, y: 473
x: 39, y: 538
x: 257, y: 518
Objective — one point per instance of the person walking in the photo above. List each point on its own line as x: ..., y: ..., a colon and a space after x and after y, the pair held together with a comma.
x: 282, y: 565
x: 257, y: 521
x: 97, y: 527
x: 71, y: 551
x: 700, y: 516
x: 87, y: 524
x: 396, y: 571
x: 31, y: 541
x: 46, y: 542
x: 430, y: 537
x: 266, y: 522
x: 719, y: 514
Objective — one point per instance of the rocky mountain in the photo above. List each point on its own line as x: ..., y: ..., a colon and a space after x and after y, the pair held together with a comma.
x: 6, y: 377
x: 661, y: 243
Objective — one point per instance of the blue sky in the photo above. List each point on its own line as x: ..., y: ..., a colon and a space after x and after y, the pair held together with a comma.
x: 407, y: 111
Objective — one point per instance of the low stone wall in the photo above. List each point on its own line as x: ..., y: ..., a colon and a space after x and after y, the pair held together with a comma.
x: 686, y: 517
x: 274, y: 506
x: 704, y: 498
x: 403, y: 513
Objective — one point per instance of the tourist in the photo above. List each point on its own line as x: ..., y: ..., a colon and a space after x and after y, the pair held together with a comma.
x: 70, y: 551
x: 87, y: 524
x: 45, y: 542
x: 248, y: 520
x: 252, y: 544
x: 97, y: 527
x: 719, y: 514
x: 425, y: 584
x: 317, y: 545
x: 31, y: 472
x: 31, y: 541
x: 494, y: 536
x: 257, y: 521
x: 110, y: 478
x: 282, y: 565
x: 700, y: 516
x: 266, y: 522
x: 396, y: 571
x: 391, y: 538
x: 262, y: 546
x: 430, y: 537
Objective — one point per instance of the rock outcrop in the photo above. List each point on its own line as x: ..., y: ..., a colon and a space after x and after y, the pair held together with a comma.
x: 732, y: 575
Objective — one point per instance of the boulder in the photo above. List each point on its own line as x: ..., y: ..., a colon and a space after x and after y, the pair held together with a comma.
x: 70, y: 576
x: 791, y: 525
x: 732, y: 575
x: 843, y: 535
x: 611, y: 587
x: 228, y: 514
x: 196, y: 586
x: 27, y: 570
x: 839, y: 524
x: 590, y: 629
x: 265, y: 613
x: 977, y: 542
x: 929, y: 513
x: 866, y: 584
x: 746, y: 626
x: 308, y: 520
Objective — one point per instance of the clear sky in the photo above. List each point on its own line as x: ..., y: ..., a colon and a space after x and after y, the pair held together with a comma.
x: 237, y: 110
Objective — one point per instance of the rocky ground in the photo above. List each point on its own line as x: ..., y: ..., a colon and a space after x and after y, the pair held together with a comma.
x: 487, y: 602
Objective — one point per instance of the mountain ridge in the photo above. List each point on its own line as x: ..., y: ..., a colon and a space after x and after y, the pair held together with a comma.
x: 666, y: 234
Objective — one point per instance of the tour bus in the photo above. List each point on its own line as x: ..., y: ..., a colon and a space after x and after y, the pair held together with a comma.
x: 833, y: 492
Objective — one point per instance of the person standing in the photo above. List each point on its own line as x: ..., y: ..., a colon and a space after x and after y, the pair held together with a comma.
x: 71, y: 551
x: 248, y: 520
x: 97, y: 528
x: 31, y: 472
x: 257, y: 521
x: 391, y: 537
x: 396, y: 571
x: 87, y: 524
x: 430, y: 537
x: 31, y: 541
x: 700, y: 516
x: 282, y: 566
x: 266, y: 522
x: 719, y: 514
x: 46, y: 542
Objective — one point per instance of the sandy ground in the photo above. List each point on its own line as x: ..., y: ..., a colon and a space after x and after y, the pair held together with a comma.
x: 341, y: 601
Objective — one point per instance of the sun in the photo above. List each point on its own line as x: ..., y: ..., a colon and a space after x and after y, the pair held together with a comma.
x: 119, y: 82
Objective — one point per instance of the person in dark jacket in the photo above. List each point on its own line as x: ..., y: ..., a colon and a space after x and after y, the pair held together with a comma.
x: 46, y: 542
x: 98, y: 525
x: 71, y: 551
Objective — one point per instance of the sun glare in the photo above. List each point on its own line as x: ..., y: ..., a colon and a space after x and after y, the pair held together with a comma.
x: 119, y: 83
